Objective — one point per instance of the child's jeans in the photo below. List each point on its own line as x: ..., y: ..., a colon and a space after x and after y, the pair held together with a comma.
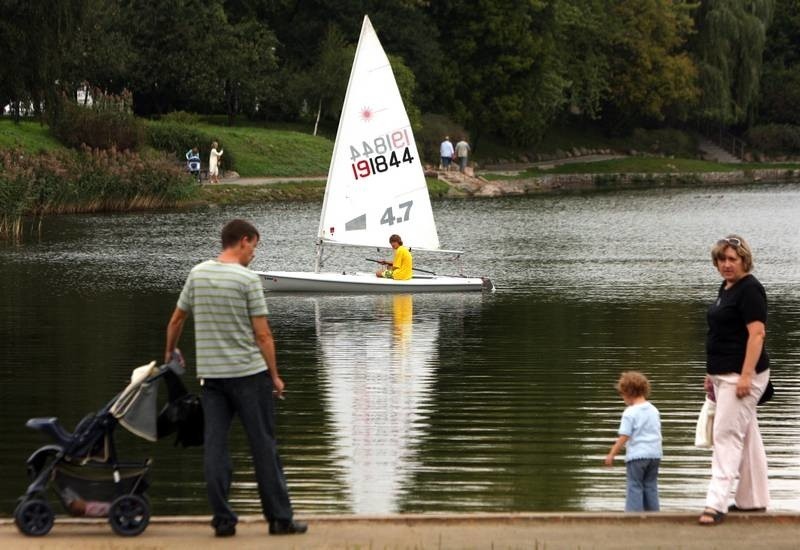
x: 642, y: 485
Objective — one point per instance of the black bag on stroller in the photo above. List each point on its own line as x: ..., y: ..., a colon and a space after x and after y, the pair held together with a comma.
x: 83, y: 466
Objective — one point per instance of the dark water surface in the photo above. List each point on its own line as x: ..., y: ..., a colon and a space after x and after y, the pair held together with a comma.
x: 460, y: 402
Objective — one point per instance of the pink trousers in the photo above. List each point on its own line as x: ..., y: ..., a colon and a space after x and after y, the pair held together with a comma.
x: 738, y: 448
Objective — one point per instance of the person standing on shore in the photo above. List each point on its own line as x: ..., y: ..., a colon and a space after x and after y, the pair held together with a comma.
x: 238, y: 371
x: 737, y: 367
x: 462, y: 153
x: 213, y: 163
x: 446, y: 153
x: 640, y: 434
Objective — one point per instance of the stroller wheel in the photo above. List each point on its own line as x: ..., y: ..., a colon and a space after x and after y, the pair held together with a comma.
x: 34, y: 517
x: 129, y: 515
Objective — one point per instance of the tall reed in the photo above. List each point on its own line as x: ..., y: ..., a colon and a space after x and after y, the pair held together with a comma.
x: 85, y: 181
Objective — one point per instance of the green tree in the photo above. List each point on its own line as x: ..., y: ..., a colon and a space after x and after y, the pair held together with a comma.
x: 38, y: 36
x: 172, y: 53
x: 650, y: 73
x: 729, y: 48
x: 100, y: 53
x: 407, y: 84
x: 326, y: 81
x: 14, y: 89
x: 780, y: 83
x: 582, y: 32
x: 405, y: 29
x: 245, y: 66
x: 509, y: 83
x: 195, y: 55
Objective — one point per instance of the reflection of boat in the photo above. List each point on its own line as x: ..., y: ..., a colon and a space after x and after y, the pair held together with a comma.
x: 378, y: 373
x: 376, y: 187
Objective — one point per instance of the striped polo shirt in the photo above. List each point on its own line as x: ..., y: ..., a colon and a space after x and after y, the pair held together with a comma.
x: 222, y: 297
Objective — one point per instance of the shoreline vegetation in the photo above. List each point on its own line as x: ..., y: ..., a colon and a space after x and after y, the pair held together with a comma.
x: 40, y: 177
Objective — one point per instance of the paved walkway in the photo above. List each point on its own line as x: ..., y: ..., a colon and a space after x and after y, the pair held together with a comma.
x: 714, y: 152
x: 453, y: 174
x: 433, y: 531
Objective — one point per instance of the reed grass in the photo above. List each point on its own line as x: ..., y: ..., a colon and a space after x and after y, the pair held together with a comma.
x: 62, y: 182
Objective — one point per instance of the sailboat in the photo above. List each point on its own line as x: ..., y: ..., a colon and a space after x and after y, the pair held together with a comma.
x: 376, y: 187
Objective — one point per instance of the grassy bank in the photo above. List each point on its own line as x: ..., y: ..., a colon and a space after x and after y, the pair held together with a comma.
x: 245, y: 194
x: 640, y: 165
x: 28, y: 136
x: 273, y: 153
x: 258, y: 151
x: 289, y: 191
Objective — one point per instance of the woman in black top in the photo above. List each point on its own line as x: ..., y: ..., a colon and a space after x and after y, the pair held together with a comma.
x: 738, y: 373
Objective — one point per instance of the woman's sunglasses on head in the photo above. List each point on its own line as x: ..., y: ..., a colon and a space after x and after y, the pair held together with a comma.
x: 733, y: 241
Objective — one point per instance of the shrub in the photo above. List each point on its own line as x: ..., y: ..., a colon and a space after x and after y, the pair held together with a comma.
x: 181, y: 117
x: 666, y: 141
x: 105, y: 124
x: 85, y: 181
x: 775, y: 138
x: 176, y: 138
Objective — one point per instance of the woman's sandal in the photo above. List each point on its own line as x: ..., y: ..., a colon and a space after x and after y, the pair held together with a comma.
x: 734, y: 508
x: 716, y: 517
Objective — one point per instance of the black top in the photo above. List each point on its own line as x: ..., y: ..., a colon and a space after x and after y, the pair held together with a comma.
x: 728, y: 316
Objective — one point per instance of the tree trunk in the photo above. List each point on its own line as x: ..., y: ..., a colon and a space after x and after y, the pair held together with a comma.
x: 230, y: 101
x: 319, y: 112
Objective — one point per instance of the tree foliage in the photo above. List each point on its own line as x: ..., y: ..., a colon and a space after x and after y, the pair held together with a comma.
x: 779, y: 99
x: 506, y: 68
x: 650, y: 74
x: 729, y: 50
x: 37, y: 39
x: 507, y: 81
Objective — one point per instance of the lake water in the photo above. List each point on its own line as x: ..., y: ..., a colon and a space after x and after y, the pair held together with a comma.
x: 459, y: 402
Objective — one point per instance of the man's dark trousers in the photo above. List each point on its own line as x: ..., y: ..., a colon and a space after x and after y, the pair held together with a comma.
x: 251, y: 398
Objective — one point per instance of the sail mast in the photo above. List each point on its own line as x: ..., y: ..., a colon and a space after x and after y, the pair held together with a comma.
x: 338, y: 143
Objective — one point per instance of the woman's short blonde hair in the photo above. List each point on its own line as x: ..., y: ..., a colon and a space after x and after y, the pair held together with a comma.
x: 633, y: 384
x: 738, y: 245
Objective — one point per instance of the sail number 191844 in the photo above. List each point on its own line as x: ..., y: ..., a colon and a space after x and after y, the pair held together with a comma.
x: 380, y: 154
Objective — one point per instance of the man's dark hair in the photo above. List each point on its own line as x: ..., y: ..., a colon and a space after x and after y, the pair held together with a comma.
x: 396, y: 239
x: 234, y: 230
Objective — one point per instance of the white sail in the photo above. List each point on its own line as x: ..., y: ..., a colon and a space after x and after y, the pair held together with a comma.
x: 376, y: 185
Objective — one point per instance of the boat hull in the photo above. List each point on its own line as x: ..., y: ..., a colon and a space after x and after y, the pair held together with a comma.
x: 301, y: 281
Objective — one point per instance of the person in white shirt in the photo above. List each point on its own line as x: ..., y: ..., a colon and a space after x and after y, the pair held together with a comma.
x: 446, y: 152
x: 213, y: 163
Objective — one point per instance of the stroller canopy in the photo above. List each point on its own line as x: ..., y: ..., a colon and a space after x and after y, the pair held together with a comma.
x: 136, y: 406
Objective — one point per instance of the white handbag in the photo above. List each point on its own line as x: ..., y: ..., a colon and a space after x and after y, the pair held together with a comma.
x: 704, y: 432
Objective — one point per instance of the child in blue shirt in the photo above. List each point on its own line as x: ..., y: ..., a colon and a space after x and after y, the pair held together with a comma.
x: 640, y: 434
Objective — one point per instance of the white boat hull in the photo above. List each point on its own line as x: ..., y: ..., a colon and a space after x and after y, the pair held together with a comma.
x: 303, y: 281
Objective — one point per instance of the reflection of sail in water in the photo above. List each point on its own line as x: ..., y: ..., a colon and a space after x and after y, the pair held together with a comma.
x: 378, y: 361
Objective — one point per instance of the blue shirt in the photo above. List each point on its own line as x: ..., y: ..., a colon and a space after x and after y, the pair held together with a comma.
x: 642, y: 424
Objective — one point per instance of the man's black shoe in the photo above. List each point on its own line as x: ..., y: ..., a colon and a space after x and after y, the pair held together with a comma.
x: 224, y: 529
x: 287, y: 527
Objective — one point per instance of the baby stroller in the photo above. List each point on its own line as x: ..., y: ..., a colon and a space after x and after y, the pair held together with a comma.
x: 83, y: 466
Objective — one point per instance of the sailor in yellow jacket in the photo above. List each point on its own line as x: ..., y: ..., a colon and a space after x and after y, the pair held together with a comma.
x: 400, y: 267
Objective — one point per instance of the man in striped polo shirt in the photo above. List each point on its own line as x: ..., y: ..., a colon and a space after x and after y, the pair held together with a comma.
x: 237, y: 367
